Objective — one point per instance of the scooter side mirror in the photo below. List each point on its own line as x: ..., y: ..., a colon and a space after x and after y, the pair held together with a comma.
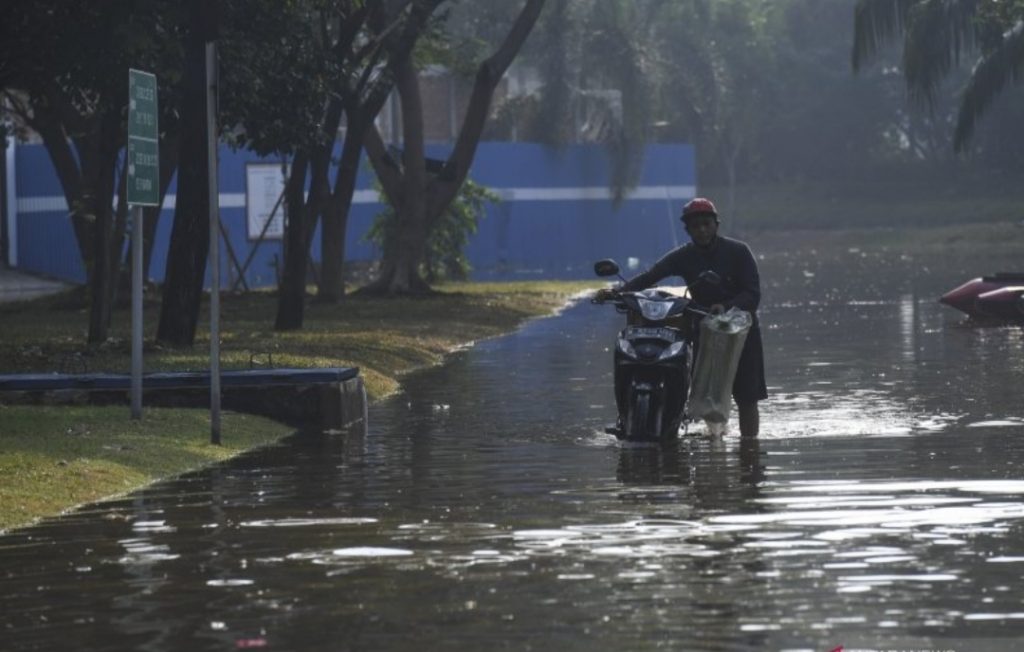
x: 606, y: 267
x: 710, y: 277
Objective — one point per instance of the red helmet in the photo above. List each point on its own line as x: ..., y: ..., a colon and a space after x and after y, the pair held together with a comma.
x: 699, y: 206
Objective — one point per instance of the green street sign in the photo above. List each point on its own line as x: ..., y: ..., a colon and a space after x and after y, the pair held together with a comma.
x: 143, y: 140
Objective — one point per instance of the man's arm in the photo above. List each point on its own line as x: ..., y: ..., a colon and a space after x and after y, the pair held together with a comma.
x: 661, y: 269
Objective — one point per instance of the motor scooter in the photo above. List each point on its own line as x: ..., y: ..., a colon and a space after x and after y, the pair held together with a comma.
x: 652, y: 357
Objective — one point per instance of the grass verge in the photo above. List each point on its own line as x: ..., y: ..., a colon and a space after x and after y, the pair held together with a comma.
x: 55, y: 457
x: 52, y: 458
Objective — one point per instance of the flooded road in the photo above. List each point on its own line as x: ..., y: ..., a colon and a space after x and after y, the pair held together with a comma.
x: 882, y: 507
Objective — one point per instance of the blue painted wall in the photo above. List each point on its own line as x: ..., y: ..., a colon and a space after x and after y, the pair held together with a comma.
x: 555, y: 220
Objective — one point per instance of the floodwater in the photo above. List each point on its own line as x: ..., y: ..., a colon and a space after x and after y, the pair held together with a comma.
x: 882, y: 507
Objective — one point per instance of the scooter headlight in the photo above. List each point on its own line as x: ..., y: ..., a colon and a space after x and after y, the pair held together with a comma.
x: 654, y: 310
x: 626, y: 348
x: 672, y: 351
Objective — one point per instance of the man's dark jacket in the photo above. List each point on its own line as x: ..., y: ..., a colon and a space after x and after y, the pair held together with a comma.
x: 730, y: 259
x: 740, y: 287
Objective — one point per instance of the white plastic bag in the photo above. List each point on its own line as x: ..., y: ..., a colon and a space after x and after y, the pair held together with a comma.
x: 718, y: 354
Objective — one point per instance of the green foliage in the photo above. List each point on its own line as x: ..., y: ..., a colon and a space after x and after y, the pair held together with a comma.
x: 994, y: 20
x: 761, y: 86
x: 465, y: 33
x: 445, y: 258
x: 594, y: 63
x: 72, y: 59
x: 281, y: 70
x: 936, y: 37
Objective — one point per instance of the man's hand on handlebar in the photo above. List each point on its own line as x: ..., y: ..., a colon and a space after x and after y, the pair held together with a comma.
x: 605, y: 294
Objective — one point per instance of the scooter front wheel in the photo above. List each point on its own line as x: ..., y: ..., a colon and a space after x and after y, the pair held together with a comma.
x: 638, y: 421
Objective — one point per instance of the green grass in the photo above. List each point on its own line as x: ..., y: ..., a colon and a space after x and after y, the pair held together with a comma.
x: 55, y: 457
x: 383, y: 337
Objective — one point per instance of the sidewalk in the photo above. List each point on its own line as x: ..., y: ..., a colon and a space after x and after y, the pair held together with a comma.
x: 18, y: 286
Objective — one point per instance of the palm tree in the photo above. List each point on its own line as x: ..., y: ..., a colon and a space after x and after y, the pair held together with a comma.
x: 937, y: 34
x: 595, y: 62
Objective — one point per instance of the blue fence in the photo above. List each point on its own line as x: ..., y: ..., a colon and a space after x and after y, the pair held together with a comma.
x: 555, y: 218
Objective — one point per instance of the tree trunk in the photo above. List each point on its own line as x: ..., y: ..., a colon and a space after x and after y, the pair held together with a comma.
x: 69, y: 171
x: 291, y: 298
x: 190, y: 235
x: 402, y: 253
x: 104, y: 268
x: 335, y: 217
x: 417, y: 200
x: 119, y: 290
x: 302, y: 217
x: 360, y: 114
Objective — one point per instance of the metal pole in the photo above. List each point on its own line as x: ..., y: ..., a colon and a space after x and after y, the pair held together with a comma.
x: 12, y: 204
x: 137, y: 312
x: 211, y: 149
x: 3, y: 199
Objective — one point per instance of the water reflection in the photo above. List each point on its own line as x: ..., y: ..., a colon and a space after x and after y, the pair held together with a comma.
x: 881, y: 509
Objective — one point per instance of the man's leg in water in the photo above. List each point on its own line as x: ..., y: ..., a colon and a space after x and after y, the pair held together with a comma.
x: 750, y: 419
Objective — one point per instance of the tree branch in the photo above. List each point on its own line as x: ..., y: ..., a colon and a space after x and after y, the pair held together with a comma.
x: 384, y: 166
x: 488, y: 75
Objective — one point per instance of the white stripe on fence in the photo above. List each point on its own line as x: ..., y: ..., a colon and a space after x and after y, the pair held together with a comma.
x: 56, y: 203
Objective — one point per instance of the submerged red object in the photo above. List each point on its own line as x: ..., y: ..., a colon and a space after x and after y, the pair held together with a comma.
x: 1000, y: 296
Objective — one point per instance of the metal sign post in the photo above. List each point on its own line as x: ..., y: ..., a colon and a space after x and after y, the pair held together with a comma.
x: 143, y: 190
x: 11, y: 199
x: 211, y: 151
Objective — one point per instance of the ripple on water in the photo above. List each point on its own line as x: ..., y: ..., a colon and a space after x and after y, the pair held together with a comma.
x: 851, y: 412
x: 841, y: 414
x: 633, y: 539
x: 141, y: 552
x: 1015, y: 615
x: 230, y: 582
x: 371, y: 551
x: 308, y: 522
x: 997, y: 423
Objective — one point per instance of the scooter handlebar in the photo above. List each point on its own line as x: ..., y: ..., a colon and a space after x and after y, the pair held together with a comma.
x: 613, y: 295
